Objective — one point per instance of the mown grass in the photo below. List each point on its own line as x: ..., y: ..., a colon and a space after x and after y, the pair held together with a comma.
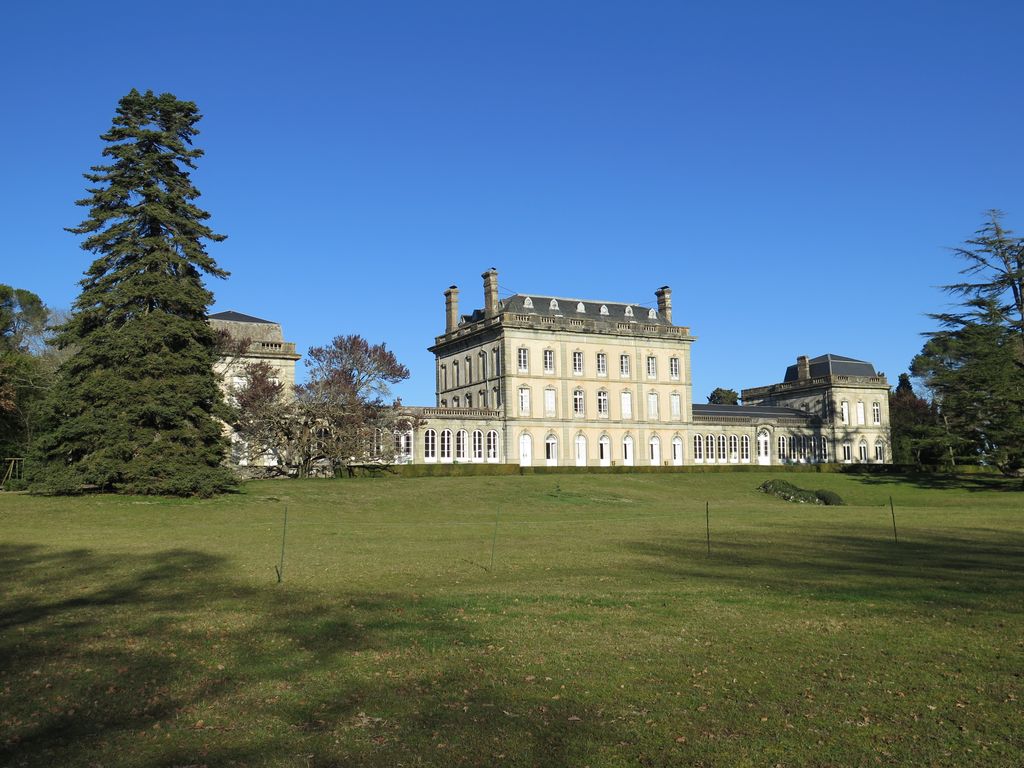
x: 153, y: 632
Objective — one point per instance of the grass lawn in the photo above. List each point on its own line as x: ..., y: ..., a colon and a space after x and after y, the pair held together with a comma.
x: 138, y: 631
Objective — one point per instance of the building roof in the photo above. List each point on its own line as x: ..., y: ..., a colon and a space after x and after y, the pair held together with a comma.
x: 557, y: 306
x: 231, y: 316
x: 833, y: 365
x: 748, y: 411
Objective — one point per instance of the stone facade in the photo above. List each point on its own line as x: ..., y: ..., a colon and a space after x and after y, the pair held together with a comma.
x: 550, y: 381
x: 262, y: 342
x: 591, y: 383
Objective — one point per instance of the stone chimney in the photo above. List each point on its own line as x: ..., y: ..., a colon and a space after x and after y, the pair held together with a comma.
x: 803, y: 368
x: 490, y: 293
x: 664, y: 295
x: 451, y: 309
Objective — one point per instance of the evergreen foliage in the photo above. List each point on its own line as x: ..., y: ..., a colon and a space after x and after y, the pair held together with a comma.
x: 723, y: 396
x: 974, y: 365
x: 134, y: 409
x: 918, y: 436
x: 23, y: 369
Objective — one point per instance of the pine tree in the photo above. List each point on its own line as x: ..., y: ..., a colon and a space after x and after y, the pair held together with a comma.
x: 135, y: 408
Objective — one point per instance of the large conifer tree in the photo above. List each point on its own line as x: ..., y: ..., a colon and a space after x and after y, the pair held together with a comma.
x: 134, y: 408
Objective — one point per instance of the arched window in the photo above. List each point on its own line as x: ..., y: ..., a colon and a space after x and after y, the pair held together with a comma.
x: 551, y: 450
x: 745, y: 448
x: 698, y: 449
x: 677, y: 451
x: 847, y: 452
x: 483, y: 365
x: 763, y: 447
x: 455, y: 371
x: 461, y: 449
x: 629, y: 311
x: 734, y: 448
x: 446, y: 445
x: 478, y: 445
x: 578, y: 402
x: 654, y: 451
x: 469, y: 369
x: 862, y: 450
x: 455, y: 401
x: 580, y: 307
x: 444, y: 402
x: 527, y: 303
x: 782, y: 448
x: 876, y: 413
x: 652, y: 314
x: 722, y: 455
x: 429, y: 445
x: 553, y: 304
x: 602, y: 403
x: 604, y: 309
x: 879, y: 451
x: 709, y: 446
x: 496, y: 360
x: 627, y: 451
x: 581, y: 451
x: 824, y: 448
x: 604, y: 451
x: 469, y: 399
x: 524, y: 401
x: 492, y: 445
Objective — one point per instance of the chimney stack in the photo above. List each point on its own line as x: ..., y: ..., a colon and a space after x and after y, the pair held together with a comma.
x: 664, y: 295
x: 803, y: 368
x: 451, y: 309
x: 490, y: 293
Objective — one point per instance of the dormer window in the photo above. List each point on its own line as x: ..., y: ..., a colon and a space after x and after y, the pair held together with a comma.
x: 527, y: 303
x: 554, y: 304
x: 652, y: 314
x: 629, y: 311
x: 580, y: 307
x: 604, y: 309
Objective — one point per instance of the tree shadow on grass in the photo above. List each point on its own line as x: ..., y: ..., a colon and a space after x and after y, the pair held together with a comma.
x: 941, y: 480
x: 165, y: 659
x: 984, y: 573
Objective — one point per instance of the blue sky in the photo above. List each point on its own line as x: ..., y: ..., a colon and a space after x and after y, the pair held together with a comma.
x: 795, y: 171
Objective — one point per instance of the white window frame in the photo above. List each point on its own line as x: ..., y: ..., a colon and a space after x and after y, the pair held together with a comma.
x: 478, y: 445
x: 879, y: 451
x: 446, y: 445
x: 577, y: 363
x: 492, y: 445
x: 549, y: 361
x: 673, y: 368
x: 523, y: 359
x: 652, y: 367
x: 524, y: 401
x: 698, y: 449
x: 876, y: 413
x: 602, y: 403
x: 550, y: 402
x: 860, y: 413
x: 602, y: 364
x: 675, y: 405
x: 430, y: 445
x: 653, y: 406
x: 624, y: 366
x: 745, y: 449
x: 579, y: 400
x: 844, y: 412
x: 626, y: 405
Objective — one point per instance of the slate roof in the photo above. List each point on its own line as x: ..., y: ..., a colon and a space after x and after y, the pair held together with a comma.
x: 833, y: 365
x: 748, y: 411
x: 568, y: 308
x: 237, y: 317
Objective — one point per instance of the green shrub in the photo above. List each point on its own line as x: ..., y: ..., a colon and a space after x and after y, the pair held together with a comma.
x: 788, y: 492
x: 829, y: 498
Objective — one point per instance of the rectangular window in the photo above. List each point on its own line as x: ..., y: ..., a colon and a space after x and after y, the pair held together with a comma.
x: 876, y: 413
x: 675, y: 405
x: 602, y: 404
x: 549, y: 402
x: 652, y: 405
x: 577, y: 363
x: 673, y: 367
x: 469, y: 369
x: 844, y: 412
x: 524, y: 401
x: 455, y: 371
x: 824, y: 449
x: 495, y: 359
x: 524, y: 359
x: 577, y: 402
x: 549, y: 361
x: 860, y: 412
x: 624, y: 365
x: 745, y: 448
x: 478, y: 444
x: 627, y: 405
x: 652, y: 367
x: 602, y: 364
